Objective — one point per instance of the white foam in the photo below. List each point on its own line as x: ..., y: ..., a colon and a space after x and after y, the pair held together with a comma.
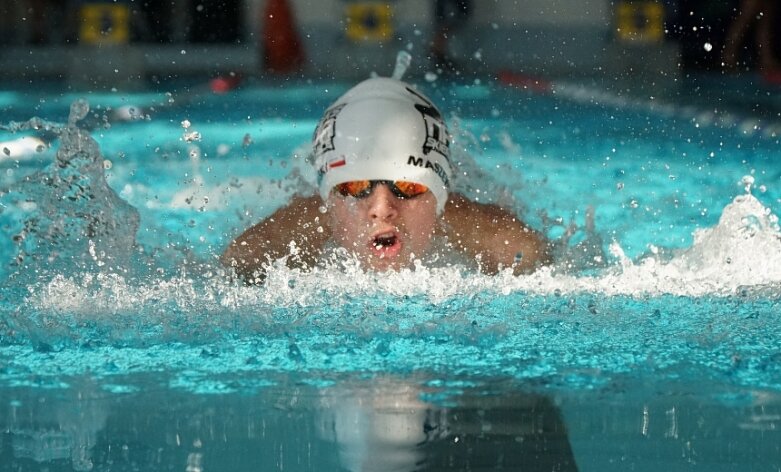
x: 742, y: 252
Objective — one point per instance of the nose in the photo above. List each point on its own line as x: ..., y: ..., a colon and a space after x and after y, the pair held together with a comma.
x: 383, y: 205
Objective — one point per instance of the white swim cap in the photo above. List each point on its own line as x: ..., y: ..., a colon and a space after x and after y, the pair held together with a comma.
x: 383, y: 129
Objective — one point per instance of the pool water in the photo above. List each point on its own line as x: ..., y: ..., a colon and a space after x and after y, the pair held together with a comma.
x: 654, y: 341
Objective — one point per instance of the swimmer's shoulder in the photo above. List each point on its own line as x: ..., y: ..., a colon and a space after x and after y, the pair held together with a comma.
x: 494, y: 235
x: 297, y: 227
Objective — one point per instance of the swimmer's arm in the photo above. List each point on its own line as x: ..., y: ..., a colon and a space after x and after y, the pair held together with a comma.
x: 494, y: 236
x: 271, y: 239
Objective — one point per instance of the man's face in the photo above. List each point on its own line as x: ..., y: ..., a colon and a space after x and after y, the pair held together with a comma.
x: 382, y: 230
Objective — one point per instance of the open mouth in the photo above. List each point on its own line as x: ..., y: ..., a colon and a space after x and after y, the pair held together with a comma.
x: 383, y: 241
x: 386, y: 244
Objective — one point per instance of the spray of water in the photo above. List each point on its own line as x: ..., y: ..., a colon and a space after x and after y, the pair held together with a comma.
x: 403, y: 61
x: 738, y: 257
x: 66, y: 216
x: 76, y: 249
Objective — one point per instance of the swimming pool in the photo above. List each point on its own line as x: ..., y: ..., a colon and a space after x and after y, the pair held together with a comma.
x: 653, y: 343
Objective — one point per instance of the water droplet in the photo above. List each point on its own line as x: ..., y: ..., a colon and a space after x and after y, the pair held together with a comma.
x: 751, y: 224
x: 708, y: 47
x: 191, y: 136
x: 747, y: 181
x: 78, y: 111
x: 403, y: 61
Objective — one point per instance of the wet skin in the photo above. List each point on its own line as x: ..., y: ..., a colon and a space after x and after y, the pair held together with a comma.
x: 382, y: 230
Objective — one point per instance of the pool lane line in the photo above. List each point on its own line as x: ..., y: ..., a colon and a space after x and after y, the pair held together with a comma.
x: 699, y: 116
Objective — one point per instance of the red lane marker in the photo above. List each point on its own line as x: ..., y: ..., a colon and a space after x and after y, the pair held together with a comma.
x: 523, y: 81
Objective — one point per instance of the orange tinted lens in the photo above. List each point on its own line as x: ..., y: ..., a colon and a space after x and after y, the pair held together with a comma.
x: 353, y: 188
x: 410, y: 189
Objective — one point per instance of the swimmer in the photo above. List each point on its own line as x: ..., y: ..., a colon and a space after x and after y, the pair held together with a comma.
x: 382, y: 153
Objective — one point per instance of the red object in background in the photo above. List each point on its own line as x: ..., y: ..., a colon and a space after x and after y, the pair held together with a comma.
x: 772, y: 77
x: 523, y: 81
x: 282, y: 51
x: 224, y: 84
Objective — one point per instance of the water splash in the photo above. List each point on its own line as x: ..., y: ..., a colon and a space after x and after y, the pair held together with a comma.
x: 744, y: 247
x: 66, y: 216
x: 739, y: 257
x: 74, y: 228
x: 403, y: 61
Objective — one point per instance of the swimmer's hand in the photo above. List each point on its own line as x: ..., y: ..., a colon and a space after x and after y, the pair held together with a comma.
x: 493, y: 236
x: 298, y: 225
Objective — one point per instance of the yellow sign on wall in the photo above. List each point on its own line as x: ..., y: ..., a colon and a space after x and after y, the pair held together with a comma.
x: 104, y: 23
x: 640, y: 21
x: 369, y: 21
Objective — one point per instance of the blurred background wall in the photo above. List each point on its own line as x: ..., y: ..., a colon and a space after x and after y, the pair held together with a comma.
x: 124, y: 43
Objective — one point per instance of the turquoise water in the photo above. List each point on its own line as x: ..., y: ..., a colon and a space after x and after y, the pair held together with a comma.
x: 653, y: 342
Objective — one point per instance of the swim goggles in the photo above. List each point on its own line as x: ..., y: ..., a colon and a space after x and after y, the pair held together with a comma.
x: 363, y: 188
